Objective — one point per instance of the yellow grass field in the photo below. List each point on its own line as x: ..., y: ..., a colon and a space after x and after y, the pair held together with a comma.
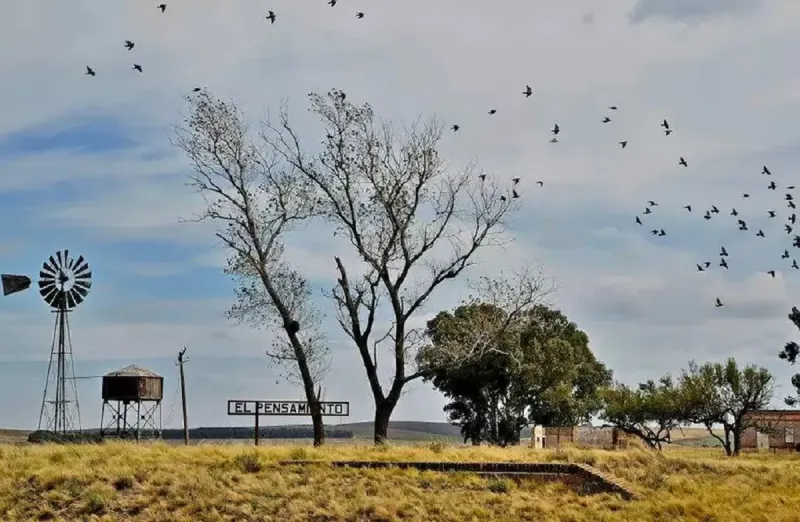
x: 159, y: 482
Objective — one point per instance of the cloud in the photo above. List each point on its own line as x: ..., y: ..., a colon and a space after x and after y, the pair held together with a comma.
x: 86, y: 164
x: 681, y: 10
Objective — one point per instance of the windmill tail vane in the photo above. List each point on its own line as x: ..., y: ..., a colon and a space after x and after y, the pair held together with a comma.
x: 15, y: 283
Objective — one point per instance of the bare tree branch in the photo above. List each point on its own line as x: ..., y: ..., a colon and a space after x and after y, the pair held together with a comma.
x: 254, y: 199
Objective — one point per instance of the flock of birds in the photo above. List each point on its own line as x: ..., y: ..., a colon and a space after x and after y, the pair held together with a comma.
x: 665, y: 125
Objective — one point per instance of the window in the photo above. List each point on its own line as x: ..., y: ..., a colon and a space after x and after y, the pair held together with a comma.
x: 789, y: 436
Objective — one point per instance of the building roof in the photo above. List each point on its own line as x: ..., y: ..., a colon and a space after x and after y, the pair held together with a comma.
x: 133, y: 370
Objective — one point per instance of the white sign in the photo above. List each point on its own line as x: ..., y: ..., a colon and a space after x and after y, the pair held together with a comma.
x: 243, y: 407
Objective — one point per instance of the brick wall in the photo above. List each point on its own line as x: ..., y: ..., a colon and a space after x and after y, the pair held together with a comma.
x: 780, y: 420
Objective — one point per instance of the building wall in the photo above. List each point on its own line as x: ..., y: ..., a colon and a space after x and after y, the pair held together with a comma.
x: 583, y: 435
x: 780, y: 420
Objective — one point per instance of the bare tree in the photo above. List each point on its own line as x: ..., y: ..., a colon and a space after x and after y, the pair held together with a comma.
x: 400, y: 207
x: 255, y: 199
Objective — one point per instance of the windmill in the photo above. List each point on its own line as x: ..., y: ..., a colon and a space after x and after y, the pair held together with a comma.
x: 63, y: 284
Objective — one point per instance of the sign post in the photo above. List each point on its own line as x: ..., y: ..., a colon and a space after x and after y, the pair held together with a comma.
x: 257, y: 409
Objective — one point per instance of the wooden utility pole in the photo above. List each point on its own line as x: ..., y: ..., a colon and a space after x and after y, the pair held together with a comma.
x: 181, y: 361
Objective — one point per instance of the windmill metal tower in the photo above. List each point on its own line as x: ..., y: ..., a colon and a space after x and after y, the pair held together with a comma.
x: 63, y: 284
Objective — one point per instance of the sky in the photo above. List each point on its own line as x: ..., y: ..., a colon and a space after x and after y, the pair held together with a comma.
x: 86, y: 164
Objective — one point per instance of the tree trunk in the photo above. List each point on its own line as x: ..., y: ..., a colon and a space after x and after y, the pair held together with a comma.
x: 383, y: 412
x: 319, y: 429
x: 737, y: 442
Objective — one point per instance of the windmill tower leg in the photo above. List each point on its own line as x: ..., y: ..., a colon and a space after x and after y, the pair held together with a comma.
x: 59, y: 412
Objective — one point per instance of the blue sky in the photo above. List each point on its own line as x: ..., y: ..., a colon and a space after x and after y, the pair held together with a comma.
x: 85, y: 164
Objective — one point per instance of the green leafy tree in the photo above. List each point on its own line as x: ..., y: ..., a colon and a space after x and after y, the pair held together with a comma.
x: 537, y: 368
x: 790, y: 354
x: 723, y: 394
x: 650, y: 412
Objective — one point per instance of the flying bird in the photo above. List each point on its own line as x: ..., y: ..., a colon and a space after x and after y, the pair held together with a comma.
x: 794, y: 264
x: 788, y: 229
x: 515, y: 181
x: 772, y: 273
x: 662, y: 233
x: 700, y: 268
x: 760, y: 233
x: 766, y: 171
x: 771, y: 213
x: 723, y: 252
x: 623, y: 144
x: 528, y: 91
x: 772, y: 185
x: 652, y: 203
x: 271, y: 17
x: 707, y: 215
x: 332, y: 2
x: 688, y: 207
x: 647, y: 210
x: 554, y: 140
x: 745, y: 195
x: 665, y: 124
x: 714, y: 209
x: 742, y: 225
x: 788, y: 197
x: 493, y: 111
x: 667, y: 132
x: 90, y: 71
x: 792, y: 219
x: 359, y: 15
x: 556, y: 129
x: 613, y: 108
x: 129, y: 45
x: 785, y: 254
x: 734, y: 212
x: 723, y: 263
x: 137, y: 67
x: 638, y: 221
x: 455, y: 128
x: 718, y: 303
x: 606, y: 119
x: 514, y: 194
x: 163, y: 7
x: 683, y: 162
x: 790, y: 187
x: 196, y: 89
x: 482, y: 177
x: 540, y: 183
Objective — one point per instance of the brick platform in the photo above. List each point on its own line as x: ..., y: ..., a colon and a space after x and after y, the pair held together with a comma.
x: 584, y: 478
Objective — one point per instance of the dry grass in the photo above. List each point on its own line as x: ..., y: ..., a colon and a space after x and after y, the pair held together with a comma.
x: 209, y: 483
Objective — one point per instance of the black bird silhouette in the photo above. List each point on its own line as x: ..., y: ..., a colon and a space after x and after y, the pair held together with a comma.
x: 766, y: 171
x: 196, y: 89
x: 554, y: 140
x: 714, y: 209
x: 137, y: 67
x: 665, y: 124
x: 785, y: 254
x: 745, y: 195
x: 707, y: 264
x: 760, y: 233
x: 723, y: 252
x: 772, y: 273
x: 606, y: 119
x: 652, y: 203
x: 788, y: 229
x: 332, y: 2
x: 700, y: 268
x: 455, y: 128
x: 514, y: 194
x: 482, y: 177
x: 792, y: 219
x: 271, y: 17
x: 707, y: 215
x: 794, y: 264
x: 623, y: 143
x: 771, y: 213
x: 688, y: 207
x: 556, y: 129
x: 647, y: 210
x: 734, y: 212
x: 718, y: 303
x: 540, y: 183
x: 613, y: 108
x: 503, y: 199
x: 638, y: 221
x: 792, y: 205
x: 515, y: 181
x: 90, y: 71
x: 772, y: 185
x: 788, y: 197
x: 163, y: 7
x: 129, y: 45
x: 723, y: 263
x: 493, y: 111
x: 667, y: 132
x: 683, y: 162
x: 654, y: 231
x: 790, y: 187
x: 796, y: 242
x: 528, y: 91
x: 662, y: 233
x: 742, y: 225
x: 359, y: 15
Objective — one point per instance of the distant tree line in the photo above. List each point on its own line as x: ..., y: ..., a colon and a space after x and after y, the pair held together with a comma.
x: 265, y: 432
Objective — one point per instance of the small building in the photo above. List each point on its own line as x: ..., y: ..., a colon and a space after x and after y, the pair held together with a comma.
x: 779, y: 430
x: 594, y: 436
